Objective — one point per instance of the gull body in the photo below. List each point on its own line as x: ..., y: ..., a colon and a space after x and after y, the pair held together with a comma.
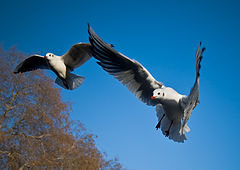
x: 60, y: 65
x: 173, y: 109
x: 170, y: 100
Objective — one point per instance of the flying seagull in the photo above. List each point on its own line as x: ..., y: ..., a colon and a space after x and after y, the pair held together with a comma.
x: 173, y: 109
x: 60, y: 65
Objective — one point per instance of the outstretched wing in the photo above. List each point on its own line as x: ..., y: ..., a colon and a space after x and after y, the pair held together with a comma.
x: 192, y: 99
x: 77, y: 55
x: 34, y: 62
x: 129, y: 72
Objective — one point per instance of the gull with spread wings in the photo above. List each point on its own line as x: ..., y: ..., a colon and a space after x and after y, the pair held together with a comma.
x: 60, y: 65
x: 173, y: 109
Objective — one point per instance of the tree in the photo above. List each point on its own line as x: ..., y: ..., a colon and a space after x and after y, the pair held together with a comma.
x: 36, y: 131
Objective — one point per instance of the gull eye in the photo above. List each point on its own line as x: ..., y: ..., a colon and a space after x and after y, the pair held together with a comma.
x: 158, y: 93
x: 163, y: 94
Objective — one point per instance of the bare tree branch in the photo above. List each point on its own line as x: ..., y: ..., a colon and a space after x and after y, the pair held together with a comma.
x: 35, y: 128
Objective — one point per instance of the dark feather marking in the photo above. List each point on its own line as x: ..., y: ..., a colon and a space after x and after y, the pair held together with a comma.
x: 115, y: 63
x: 31, y: 63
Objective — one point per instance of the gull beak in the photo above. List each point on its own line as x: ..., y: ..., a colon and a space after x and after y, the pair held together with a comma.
x: 153, y: 97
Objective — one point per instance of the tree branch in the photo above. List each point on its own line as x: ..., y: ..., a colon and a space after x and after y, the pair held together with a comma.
x: 29, y: 136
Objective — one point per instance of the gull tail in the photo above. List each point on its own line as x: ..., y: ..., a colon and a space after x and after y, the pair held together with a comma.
x: 174, y: 132
x: 72, y: 81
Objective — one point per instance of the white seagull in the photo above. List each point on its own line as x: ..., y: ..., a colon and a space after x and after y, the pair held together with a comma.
x: 173, y: 109
x: 60, y: 65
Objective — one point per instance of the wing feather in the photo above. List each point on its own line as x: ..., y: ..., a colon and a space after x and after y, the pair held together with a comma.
x: 192, y: 99
x: 33, y: 62
x: 77, y: 55
x: 129, y: 72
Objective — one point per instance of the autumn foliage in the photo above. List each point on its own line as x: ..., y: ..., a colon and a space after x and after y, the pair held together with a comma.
x: 36, y: 131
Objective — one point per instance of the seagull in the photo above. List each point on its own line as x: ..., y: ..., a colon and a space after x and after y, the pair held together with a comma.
x: 173, y: 109
x: 60, y: 65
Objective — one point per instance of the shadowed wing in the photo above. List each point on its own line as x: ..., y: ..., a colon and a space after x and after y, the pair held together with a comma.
x: 34, y: 62
x: 192, y: 99
x: 129, y: 72
x: 77, y: 55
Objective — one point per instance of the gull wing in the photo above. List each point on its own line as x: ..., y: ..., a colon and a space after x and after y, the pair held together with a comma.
x: 192, y: 99
x: 128, y: 71
x: 77, y: 55
x: 33, y: 62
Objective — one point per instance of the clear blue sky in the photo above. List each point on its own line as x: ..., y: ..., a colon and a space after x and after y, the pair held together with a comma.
x: 163, y: 36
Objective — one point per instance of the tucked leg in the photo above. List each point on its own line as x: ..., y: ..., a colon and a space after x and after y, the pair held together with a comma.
x: 167, y: 132
x: 159, y: 122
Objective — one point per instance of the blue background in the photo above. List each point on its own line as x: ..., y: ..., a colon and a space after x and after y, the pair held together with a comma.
x: 163, y: 36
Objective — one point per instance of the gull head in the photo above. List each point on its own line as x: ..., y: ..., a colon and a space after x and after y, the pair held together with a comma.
x: 158, y: 94
x: 49, y: 56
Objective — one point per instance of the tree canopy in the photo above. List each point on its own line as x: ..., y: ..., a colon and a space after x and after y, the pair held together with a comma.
x: 36, y: 130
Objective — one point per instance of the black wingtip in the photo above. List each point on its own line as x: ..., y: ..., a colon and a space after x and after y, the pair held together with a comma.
x: 200, y: 43
x: 17, y: 69
x: 99, y: 63
x: 198, y: 74
x: 203, y: 49
x: 200, y: 67
x: 89, y: 28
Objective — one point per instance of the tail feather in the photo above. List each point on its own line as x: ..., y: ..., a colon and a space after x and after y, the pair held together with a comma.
x: 174, y: 132
x: 73, y: 81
